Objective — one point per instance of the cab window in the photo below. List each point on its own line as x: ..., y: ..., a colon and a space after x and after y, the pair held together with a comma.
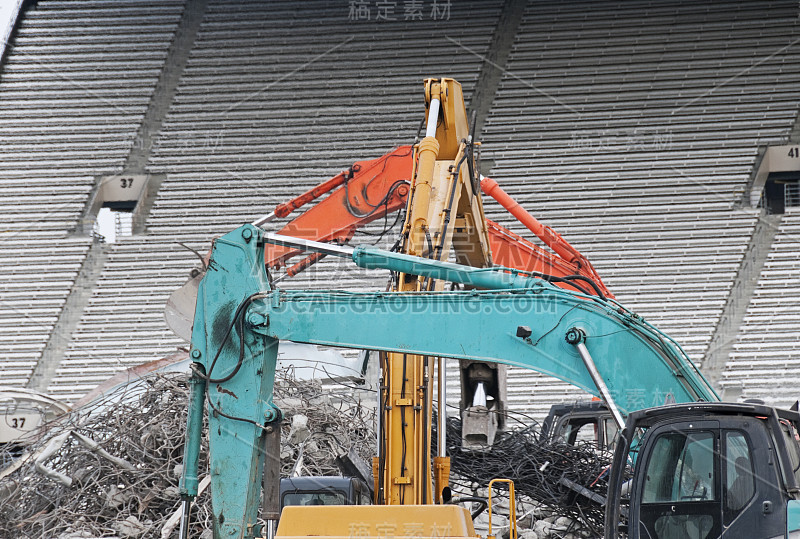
x: 610, y: 431
x: 790, y: 437
x: 679, y: 500
x: 586, y: 433
x: 336, y: 497
x: 739, y: 477
x: 681, y: 468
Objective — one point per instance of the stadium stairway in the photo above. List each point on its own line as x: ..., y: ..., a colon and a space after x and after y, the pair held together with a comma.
x: 74, y: 84
x: 765, y: 359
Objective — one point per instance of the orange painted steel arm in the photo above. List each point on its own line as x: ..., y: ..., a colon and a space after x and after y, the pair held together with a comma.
x: 545, y: 233
x: 282, y: 210
x: 513, y: 251
x: 549, y: 236
x: 351, y: 206
x: 369, y: 190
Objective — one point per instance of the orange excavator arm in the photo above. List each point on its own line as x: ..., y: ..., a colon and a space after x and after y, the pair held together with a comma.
x: 373, y: 189
x: 367, y: 191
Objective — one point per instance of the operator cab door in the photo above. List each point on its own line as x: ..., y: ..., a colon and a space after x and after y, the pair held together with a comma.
x: 707, y: 479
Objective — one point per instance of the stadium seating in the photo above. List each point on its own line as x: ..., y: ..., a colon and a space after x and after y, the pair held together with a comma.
x: 766, y: 355
x: 244, y: 134
x: 123, y: 323
x: 632, y: 128
x: 33, y: 289
x: 75, y: 86
x: 73, y: 90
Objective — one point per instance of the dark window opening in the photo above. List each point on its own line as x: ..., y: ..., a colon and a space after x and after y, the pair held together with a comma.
x: 680, y: 498
x: 681, y: 468
x: 781, y: 191
x: 739, y: 475
x: 116, y: 204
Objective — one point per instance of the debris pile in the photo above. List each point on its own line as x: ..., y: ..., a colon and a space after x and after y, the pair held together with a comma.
x: 560, y: 487
x: 320, y: 425
x: 111, y: 469
x: 108, y: 469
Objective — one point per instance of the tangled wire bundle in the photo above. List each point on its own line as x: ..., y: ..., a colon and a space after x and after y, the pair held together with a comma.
x: 127, y: 484
x: 538, y: 467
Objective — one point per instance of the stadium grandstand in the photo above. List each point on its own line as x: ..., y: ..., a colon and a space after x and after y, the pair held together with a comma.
x: 658, y: 137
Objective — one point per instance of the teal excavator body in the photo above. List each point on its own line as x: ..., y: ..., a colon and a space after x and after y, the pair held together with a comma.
x: 515, y: 320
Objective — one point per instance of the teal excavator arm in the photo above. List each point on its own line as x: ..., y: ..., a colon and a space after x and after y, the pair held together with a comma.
x: 587, y: 341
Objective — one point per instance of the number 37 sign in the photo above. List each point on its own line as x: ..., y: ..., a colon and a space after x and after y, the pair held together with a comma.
x: 13, y: 425
x: 122, y: 188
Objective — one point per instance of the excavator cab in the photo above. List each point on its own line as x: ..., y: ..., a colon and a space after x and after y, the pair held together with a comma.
x: 324, y: 491
x: 588, y: 421
x: 706, y: 470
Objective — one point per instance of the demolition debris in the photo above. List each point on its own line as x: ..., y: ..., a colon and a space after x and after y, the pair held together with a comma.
x: 111, y: 468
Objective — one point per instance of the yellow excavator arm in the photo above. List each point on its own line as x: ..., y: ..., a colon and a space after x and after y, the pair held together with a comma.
x: 444, y: 213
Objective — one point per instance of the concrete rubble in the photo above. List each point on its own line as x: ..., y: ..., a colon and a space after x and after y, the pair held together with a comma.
x: 87, y: 495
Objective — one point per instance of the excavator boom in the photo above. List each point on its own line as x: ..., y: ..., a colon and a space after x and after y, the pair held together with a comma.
x: 371, y: 190
x: 525, y: 321
x: 438, y: 180
x: 366, y: 191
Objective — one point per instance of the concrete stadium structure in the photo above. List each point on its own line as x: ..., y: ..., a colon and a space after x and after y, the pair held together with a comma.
x: 639, y: 130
